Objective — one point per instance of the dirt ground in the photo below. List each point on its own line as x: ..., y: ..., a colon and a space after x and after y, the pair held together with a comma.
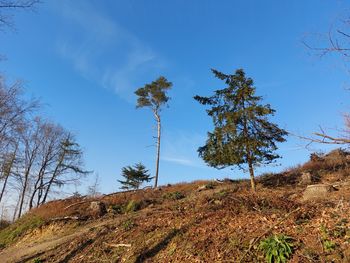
x: 205, y: 221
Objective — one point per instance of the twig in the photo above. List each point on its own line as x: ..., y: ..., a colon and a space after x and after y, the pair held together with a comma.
x: 319, y: 239
x: 340, y: 203
x: 82, y: 202
x: 118, y: 245
x: 66, y: 218
x: 266, y: 232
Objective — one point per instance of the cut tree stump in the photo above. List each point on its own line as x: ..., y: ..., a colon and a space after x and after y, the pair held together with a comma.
x: 97, y: 208
x: 305, y: 179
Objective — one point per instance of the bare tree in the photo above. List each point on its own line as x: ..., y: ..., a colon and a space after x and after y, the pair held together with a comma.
x: 6, y: 168
x: 93, y: 190
x: 8, y: 7
x: 14, y: 114
x: 337, y: 42
x: 51, y: 136
x: 68, y: 167
x: 31, y: 145
x: 14, y: 111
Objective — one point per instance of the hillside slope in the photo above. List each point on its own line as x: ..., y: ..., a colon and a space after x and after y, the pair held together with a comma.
x: 196, y: 222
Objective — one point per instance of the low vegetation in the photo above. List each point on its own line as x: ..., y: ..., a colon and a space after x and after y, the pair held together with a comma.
x: 18, y: 229
x: 204, y: 221
x: 277, y: 248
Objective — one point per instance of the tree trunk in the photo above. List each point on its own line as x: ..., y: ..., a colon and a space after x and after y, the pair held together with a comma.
x: 36, y: 187
x: 25, y: 184
x: 251, y: 172
x: 16, y: 209
x: 158, y: 150
x: 40, y: 192
x: 248, y: 154
x: 8, y: 169
x: 3, y: 188
x: 53, y: 177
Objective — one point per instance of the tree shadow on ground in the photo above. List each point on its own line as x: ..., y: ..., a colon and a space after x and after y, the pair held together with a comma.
x: 150, y: 253
x: 158, y: 247
x: 77, y: 250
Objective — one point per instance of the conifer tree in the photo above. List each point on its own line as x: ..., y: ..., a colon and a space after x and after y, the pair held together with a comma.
x: 134, y: 176
x: 242, y: 134
x: 154, y: 96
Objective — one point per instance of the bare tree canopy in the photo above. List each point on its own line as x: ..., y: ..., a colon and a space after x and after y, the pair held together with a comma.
x: 336, y: 41
x: 7, y: 7
x: 324, y: 137
x: 37, y: 156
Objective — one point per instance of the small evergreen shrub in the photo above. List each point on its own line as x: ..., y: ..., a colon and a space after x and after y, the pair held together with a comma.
x: 329, y: 245
x: 210, y: 185
x: 132, y: 206
x: 220, y: 195
x: 128, y: 224
x: 174, y: 196
x: 117, y: 208
x: 277, y: 248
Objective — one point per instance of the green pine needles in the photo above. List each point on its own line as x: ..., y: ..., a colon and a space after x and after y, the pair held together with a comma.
x: 242, y: 135
x: 134, y: 176
x: 277, y: 248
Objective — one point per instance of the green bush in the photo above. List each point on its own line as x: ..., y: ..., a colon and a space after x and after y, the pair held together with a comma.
x: 4, y: 224
x: 210, y: 185
x: 277, y: 248
x: 329, y: 245
x: 117, y: 208
x: 132, y: 206
x: 174, y: 196
x: 128, y: 224
x: 220, y: 195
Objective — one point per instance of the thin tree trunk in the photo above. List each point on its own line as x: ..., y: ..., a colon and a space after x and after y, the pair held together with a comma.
x: 251, y: 172
x: 53, y: 178
x: 47, y: 190
x: 36, y: 187
x: 31, y: 201
x: 25, y: 185
x: 16, y: 209
x: 23, y: 194
x: 40, y: 192
x: 158, y: 150
x: 3, y: 187
x: 8, y: 169
x: 249, y: 158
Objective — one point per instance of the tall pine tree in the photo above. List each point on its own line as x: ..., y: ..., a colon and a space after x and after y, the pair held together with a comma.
x: 242, y: 134
x: 154, y: 96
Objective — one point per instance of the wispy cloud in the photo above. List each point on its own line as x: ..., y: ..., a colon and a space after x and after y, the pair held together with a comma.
x: 181, y: 148
x: 101, y: 50
x: 177, y: 160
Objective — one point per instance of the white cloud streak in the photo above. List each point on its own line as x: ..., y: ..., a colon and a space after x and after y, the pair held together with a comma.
x: 101, y: 50
x: 177, y: 160
x: 181, y: 148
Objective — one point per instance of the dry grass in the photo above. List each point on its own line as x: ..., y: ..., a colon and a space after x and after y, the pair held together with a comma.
x: 218, y: 223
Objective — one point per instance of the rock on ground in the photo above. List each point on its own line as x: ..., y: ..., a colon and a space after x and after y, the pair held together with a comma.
x: 317, y: 191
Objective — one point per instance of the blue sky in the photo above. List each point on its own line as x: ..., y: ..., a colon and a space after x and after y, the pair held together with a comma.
x: 84, y: 59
